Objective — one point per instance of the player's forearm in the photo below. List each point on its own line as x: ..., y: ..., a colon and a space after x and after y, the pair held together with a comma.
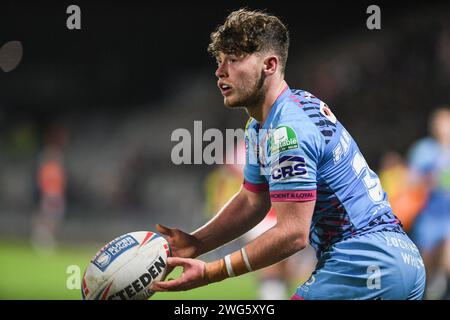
x: 271, y: 247
x: 275, y: 245
x: 238, y: 216
x: 289, y: 235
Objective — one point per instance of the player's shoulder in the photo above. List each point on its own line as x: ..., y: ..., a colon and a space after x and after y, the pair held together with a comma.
x: 290, y: 108
x: 307, y: 112
x: 301, y: 105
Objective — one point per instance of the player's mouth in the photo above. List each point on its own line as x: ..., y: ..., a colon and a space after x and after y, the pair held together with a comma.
x: 225, y: 89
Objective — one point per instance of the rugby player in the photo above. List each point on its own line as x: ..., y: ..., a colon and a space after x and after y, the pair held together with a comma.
x: 429, y: 161
x: 302, y: 161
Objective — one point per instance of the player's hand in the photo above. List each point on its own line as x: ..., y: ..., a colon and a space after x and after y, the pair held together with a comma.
x: 182, y: 244
x: 193, y: 276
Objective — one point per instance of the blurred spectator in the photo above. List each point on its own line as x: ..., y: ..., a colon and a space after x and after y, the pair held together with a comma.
x: 429, y: 160
x: 51, y: 182
x: 406, y: 199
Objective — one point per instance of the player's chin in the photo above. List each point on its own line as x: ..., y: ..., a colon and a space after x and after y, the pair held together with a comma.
x: 231, y: 103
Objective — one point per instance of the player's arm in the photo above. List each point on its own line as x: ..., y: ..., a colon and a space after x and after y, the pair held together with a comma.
x: 242, y: 212
x: 292, y: 185
x: 289, y: 235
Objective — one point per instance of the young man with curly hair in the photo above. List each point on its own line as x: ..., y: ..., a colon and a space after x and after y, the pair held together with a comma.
x: 302, y: 161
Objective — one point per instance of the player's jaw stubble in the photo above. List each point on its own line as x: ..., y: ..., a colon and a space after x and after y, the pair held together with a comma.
x: 248, y: 96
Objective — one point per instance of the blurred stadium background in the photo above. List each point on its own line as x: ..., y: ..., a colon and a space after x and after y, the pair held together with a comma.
x: 102, y: 102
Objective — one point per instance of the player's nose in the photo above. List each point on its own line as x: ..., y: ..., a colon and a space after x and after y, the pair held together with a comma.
x: 221, y: 71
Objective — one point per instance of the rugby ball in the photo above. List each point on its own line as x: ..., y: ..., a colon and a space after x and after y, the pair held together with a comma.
x: 125, y: 268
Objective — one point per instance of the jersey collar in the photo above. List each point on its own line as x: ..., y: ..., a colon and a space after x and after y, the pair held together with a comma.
x: 283, y: 95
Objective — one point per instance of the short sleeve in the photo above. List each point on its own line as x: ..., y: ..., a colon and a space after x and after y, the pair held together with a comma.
x: 253, y: 180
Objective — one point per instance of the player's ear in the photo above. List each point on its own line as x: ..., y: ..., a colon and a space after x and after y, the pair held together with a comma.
x: 271, y: 64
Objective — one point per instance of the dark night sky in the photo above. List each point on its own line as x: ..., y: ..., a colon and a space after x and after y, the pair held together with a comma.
x: 127, y: 54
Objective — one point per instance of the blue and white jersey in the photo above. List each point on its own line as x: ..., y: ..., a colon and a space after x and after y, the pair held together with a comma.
x: 428, y: 158
x: 303, y: 153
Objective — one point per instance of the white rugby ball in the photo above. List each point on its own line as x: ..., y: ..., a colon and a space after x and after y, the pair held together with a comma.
x: 125, y: 268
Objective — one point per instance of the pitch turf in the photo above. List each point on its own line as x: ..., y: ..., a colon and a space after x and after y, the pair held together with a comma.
x: 25, y: 274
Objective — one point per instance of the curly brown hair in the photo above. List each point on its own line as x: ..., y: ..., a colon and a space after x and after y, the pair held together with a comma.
x: 245, y: 32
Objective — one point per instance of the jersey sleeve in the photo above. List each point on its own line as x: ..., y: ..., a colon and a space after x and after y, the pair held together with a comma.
x: 295, y: 149
x: 253, y: 179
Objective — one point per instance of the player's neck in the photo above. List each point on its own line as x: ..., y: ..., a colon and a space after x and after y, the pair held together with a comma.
x: 261, y: 110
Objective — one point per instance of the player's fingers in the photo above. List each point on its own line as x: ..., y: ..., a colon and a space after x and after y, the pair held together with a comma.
x: 164, y: 230
x: 172, y: 285
x: 175, y: 262
x: 155, y: 287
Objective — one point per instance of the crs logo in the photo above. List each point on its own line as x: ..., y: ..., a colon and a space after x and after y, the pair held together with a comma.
x: 288, y: 167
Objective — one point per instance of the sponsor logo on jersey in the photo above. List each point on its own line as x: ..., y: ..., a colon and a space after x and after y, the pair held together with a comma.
x: 326, y: 111
x: 283, y: 138
x: 289, y: 167
x: 112, y: 250
x: 293, y: 195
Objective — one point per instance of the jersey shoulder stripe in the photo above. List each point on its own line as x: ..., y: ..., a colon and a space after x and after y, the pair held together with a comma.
x: 318, y: 111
